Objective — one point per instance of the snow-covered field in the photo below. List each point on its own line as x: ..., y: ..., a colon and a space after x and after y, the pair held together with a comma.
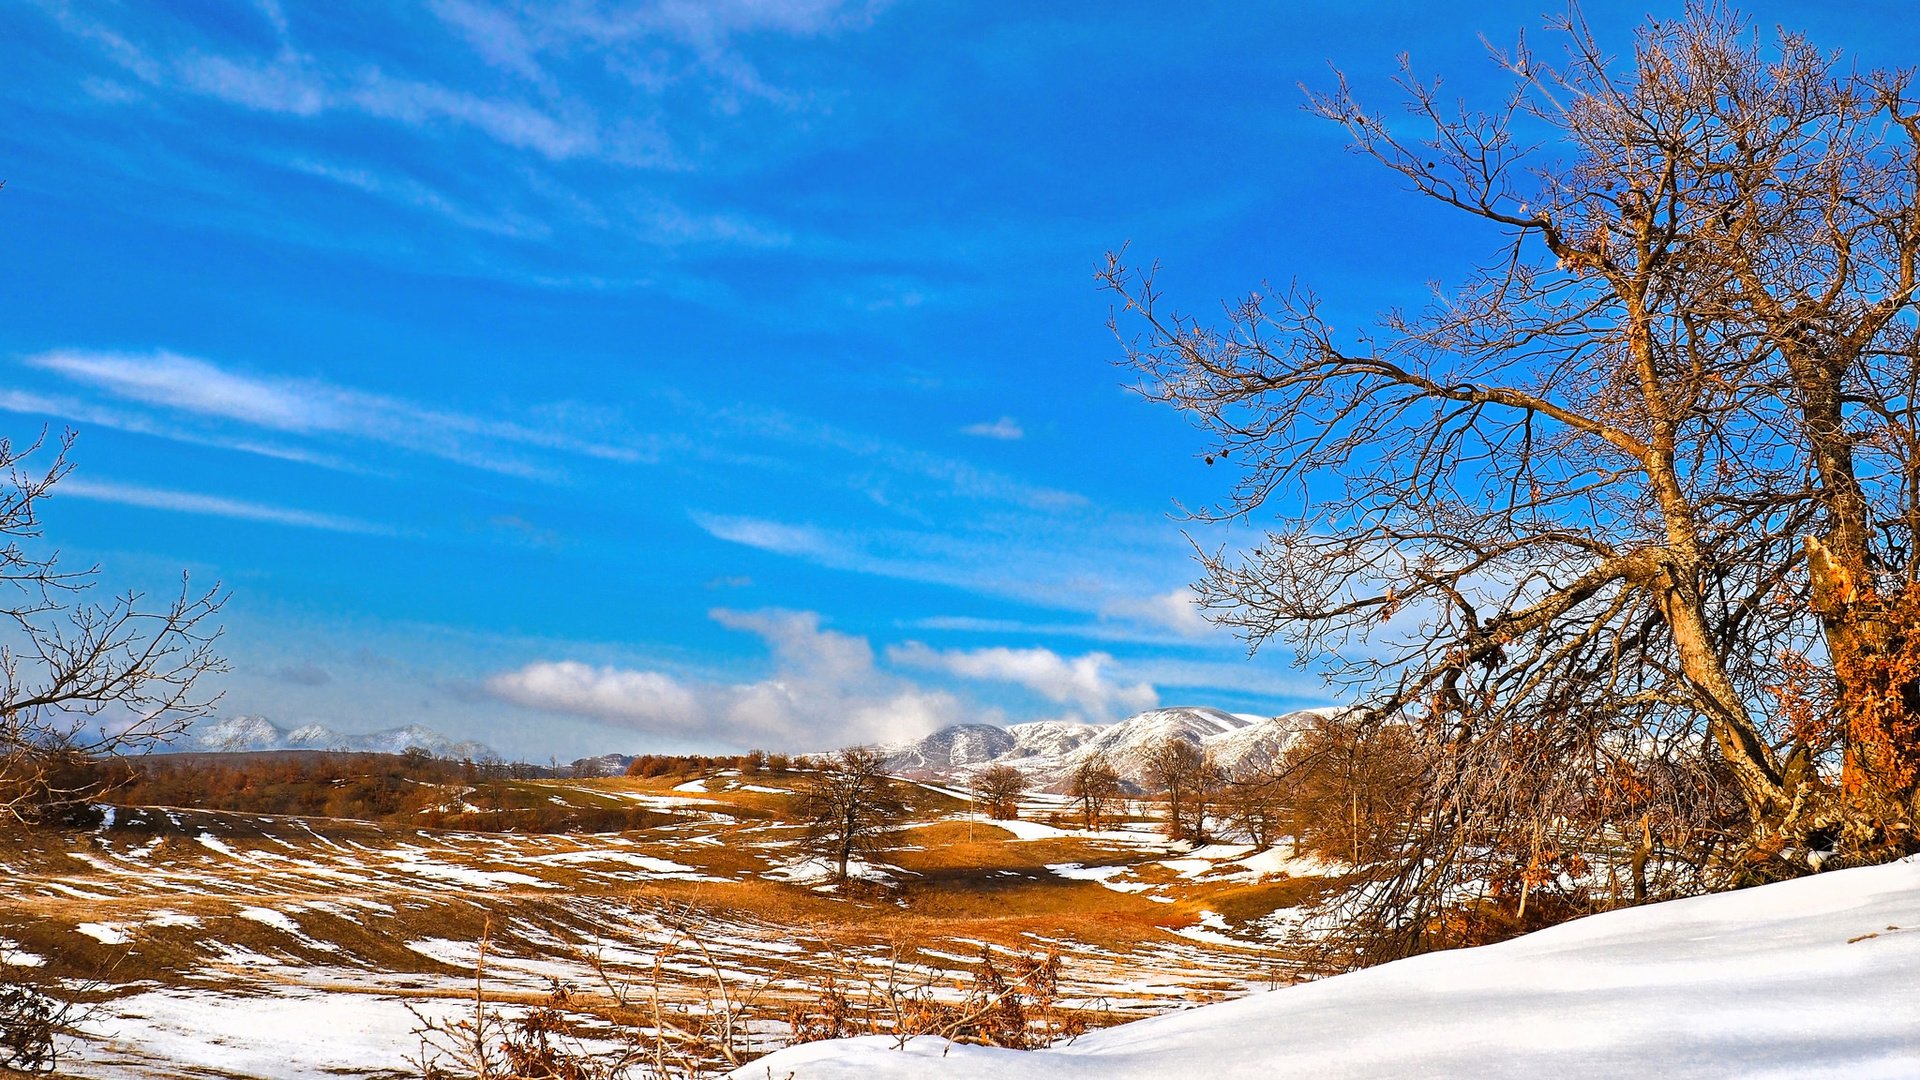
x: 289, y: 948
x: 1818, y: 977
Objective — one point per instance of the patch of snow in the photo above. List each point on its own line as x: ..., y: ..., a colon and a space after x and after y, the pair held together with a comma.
x: 1213, y: 930
x: 171, y: 918
x: 467, y: 875
x: 1811, y: 978
x: 625, y: 858
x: 12, y: 955
x: 1275, y: 860
x: 1102, y: 874
x: 227, y: 952
x: 209, y: 841
x: 269, y: 917
x: 283, y: 1034
x: 815, y: 871
x: 105, y: 933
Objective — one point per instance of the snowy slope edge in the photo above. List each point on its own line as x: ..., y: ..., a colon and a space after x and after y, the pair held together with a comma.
x: 1817, y: 977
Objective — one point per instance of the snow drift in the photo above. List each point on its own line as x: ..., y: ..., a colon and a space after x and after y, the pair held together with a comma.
x: 1818, y: 977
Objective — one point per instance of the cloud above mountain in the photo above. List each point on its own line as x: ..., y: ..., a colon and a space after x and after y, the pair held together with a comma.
x: 1086, y: 682
x: 825, y: 691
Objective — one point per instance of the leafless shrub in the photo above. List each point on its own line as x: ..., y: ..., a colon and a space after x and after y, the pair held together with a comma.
x: 1010, y: 1001
x: 41, y: 1013
x: 663, y: 1026
x: 31, y: 1021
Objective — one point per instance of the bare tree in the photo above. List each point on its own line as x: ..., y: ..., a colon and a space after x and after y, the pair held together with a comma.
x: 1257, y: 805
x: 1351, y: 785
x: 1095, y: 784
x: 1188, y: 778
x: 852, y: 807
x: 998, y: 788
x: 1658, y: 452
x: 81, y: 678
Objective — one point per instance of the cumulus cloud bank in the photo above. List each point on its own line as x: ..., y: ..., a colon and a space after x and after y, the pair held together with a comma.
x: 825, y: 692
x: 1082, y: 681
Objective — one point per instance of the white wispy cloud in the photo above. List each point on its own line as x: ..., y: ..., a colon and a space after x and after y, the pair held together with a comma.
x: 948, y: 476
x: 1095, y: 630
x: 1094, y: 567
x: 1177, y: 610
x: 312, y: 407
x: 409, y: 192
x: 68, y: 408
x: 825, y: 692
x: 1263, y: 676
x: 1005, y: 428
x: 189, y: 502
x: 1085, y: 681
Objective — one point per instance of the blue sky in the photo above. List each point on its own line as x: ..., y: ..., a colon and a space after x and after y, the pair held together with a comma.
x: 684, y: 375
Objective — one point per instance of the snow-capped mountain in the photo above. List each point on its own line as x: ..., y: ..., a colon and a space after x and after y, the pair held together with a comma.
x: 1052, y: 738
x: 240, y: 733
x: 1049, y: 750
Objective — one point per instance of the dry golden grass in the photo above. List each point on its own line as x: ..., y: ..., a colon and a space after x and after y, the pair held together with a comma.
x: 387, y: 909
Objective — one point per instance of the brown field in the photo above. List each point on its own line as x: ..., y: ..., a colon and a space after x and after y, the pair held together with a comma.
x: 219, y: 909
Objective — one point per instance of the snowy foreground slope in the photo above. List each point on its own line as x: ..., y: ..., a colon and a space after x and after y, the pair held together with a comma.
x: 1818, y: 977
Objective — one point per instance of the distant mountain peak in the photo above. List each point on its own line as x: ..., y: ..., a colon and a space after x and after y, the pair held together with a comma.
x: 1049, y: 750
x: 242, y: 733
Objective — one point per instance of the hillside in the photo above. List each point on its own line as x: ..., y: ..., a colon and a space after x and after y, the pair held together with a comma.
x: 1808, y: 978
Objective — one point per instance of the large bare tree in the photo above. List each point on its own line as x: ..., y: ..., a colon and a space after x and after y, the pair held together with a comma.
x: 82, y: 678
x: 1626, y: 522
x: 852, y: 808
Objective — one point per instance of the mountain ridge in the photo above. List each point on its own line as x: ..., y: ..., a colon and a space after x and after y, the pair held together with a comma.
x: 1048, y: 751
x: 252, y: 732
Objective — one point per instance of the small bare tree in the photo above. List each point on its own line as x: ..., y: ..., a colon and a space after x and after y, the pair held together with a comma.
x: 82, y: 679
x: 1189, y: 779
x: 998, y: 788
x: 1256, y: 806
x: 1095, y: 784
x: 852, y: 807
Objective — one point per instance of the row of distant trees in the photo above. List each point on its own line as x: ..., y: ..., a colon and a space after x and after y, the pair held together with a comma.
x: 1337, y: 789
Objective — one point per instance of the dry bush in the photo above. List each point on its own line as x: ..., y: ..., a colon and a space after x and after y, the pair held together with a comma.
x: 30, y: 1024
x: 1009, y: 1001
x: 38, y: 1011
x: 660, y: 1035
